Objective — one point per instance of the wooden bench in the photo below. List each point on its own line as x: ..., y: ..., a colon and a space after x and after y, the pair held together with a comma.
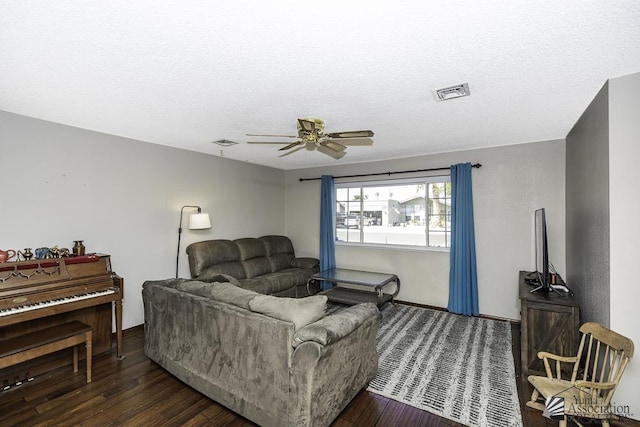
x: 45, y: 341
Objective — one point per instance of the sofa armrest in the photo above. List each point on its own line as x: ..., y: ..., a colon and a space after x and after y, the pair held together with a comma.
x: 336, y: 326
x: 334, y: 359
x: 310, y: 263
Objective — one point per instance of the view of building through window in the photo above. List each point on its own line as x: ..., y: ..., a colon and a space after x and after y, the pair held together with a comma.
x: 404, y: 213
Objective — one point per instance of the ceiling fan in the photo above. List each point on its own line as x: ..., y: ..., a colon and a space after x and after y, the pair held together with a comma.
x: 311, y: 136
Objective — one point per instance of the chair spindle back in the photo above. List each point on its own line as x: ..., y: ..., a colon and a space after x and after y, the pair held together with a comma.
x: 602, y: 358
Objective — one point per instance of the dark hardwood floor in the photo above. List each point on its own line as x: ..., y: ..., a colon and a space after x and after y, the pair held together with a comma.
x: 137, y: 392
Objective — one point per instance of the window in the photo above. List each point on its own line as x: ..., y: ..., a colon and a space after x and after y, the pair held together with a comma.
x: 410, y: 213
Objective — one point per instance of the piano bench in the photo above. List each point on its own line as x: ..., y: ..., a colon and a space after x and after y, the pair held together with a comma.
x: 45, y: 341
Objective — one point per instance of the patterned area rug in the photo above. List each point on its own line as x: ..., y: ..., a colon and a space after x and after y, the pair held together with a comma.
x: 457, y: 367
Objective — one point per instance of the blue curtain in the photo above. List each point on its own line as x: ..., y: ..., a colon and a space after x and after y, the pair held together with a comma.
x: 463, y: 275
x: 327, y: 226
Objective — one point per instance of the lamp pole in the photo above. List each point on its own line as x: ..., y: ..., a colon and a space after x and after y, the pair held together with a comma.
x: 180, y: 232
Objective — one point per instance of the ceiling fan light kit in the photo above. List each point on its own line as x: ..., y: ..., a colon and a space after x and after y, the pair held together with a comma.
x: 312, y: 137
x: 224, y: 142
x: 451, y: 92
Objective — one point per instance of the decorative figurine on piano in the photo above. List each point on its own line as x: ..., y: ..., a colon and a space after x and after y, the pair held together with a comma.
x: 46, y: 253
x: 26, y: 254
x: 42, y: 253
x: 54, y: 252
x: 6, y: 255
x: 78, y: 247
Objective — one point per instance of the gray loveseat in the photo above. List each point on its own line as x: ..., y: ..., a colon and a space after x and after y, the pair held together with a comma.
x: 266, y: 265
x: 276, y: 361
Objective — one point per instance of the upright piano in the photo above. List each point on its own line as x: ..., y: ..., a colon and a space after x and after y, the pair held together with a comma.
x: 42, y: 293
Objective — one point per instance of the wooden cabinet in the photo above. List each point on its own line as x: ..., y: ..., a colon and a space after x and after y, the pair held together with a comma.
x: 549, y: 322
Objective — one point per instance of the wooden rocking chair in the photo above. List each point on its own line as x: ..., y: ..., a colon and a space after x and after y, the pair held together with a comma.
x: 597, y: 369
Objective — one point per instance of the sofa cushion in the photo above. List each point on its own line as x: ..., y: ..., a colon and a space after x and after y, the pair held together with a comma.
x: 280, y: 262
x: 249, y: 248
x: 310, y: 263
x: 260, y: 285
x: 232, y: 294
x: 195, y: 287
x: 211, y: 275
x: 233, y: 269
x: 256, y: 267
x: 299, y: 311
x: 285, y: 279
x: 279, y: 251
x: 277, y: 245
x: 220, y: 291
x: 253, y: 257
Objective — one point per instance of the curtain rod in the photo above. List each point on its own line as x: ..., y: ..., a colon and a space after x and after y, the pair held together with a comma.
x: 477, y: 165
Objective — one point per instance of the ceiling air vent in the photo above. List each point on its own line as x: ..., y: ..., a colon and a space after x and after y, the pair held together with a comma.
x: 224, y: 143
x: 451, y: 92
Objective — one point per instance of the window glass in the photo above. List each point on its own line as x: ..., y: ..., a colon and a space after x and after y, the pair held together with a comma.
x: 413, y: 213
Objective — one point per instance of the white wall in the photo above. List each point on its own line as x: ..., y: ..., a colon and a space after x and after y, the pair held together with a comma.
x: 513, y: 182
x: 123, y: 197
x: 624, y: 153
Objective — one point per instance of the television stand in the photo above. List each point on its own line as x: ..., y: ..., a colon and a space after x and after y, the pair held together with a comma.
x: 549, y: 322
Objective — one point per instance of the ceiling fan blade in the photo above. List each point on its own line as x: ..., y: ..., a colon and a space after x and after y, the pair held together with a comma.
x: 333, y: 145
x: 272, y: 136
x: 354, y: 142
x: 293, y: 144
x: 335, y: 154
x: 351, y: 134
x: 291, y: 151
x: 306, y: 125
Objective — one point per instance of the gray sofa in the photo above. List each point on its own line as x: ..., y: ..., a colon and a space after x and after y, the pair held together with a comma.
x: 266, y: 265
x: 276, y: 361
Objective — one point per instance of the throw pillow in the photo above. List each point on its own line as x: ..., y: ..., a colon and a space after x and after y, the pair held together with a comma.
x: 195, y: 287
x: 219, y: 291
x: 299, y: 311
x: 232, y: 294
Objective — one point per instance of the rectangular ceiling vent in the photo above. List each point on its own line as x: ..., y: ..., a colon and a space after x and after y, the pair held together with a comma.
x: 451, y: 92
x: 224, y: 142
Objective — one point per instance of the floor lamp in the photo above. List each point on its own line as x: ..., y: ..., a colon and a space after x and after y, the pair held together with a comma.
x: 199, y: 221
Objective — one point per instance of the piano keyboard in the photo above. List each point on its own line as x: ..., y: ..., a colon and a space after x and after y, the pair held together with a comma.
x: 36, y: 306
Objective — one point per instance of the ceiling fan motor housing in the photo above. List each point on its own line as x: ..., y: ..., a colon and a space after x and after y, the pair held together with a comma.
x: 311, y: 123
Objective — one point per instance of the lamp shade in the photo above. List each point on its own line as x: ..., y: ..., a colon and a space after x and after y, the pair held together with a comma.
x: 199, y: 221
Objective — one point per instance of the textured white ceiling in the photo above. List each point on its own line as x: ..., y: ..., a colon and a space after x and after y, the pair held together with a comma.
x: 185, y: 73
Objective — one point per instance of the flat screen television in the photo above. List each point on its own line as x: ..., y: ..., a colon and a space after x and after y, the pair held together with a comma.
x: 542, y: 253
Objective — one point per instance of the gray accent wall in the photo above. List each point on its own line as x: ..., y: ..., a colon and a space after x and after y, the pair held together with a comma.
x: 587, y: 208
x: 602, y: 224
